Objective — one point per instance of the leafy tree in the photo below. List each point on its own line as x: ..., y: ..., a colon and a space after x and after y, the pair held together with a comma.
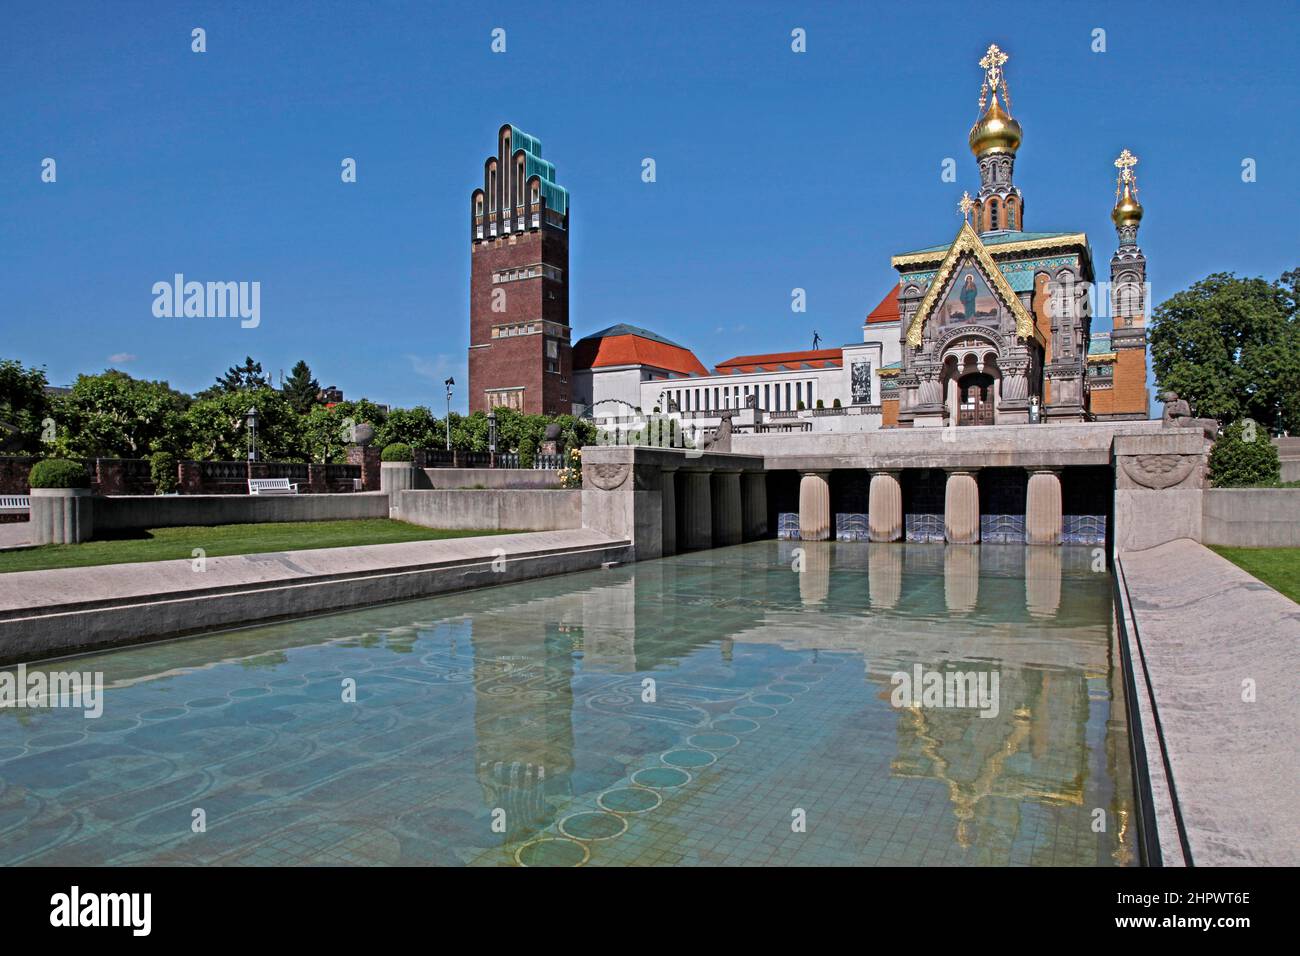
x: 113, y: 415
x: 411, y: 426
x: 1231, y: 348
x: 1244, y: 456
x: 23, y: 406
x: 300, y: 389
x: 217, y: 430
x: 241, y: 378
x: 327, y: 432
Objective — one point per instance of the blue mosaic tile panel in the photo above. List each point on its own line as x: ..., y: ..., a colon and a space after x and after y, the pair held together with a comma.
x: 923, y: 527
x: 787, y: 525
x: 1002, y: 529
x: 851, y: 526
x: 1083, y: 529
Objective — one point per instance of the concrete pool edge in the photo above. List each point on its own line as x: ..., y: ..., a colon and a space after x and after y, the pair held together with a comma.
x: 64, y: 612
x: 1221, y: 767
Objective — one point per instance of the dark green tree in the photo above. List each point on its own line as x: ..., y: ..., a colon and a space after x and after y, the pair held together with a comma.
x: 241, y: 378
x: 1231, y: 348
x: 300, y: 389
x: 1244, y: 456
x: 113, y: 415
x: 23, y: 407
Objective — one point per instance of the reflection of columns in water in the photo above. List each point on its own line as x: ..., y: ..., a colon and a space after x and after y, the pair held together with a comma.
x: 668, y: 497
x: 1118, y: 762
x: 814, y: 506
x: 961, y: 508
x: 523, y: 720
x: 696, y: 527
x: 815, y: 579
x: 961, y: 577
x: 755, y: 505
x: 1043, y: 507
x: 1042, y: 581
x: 726, y: 508
x: 885, y: 506
x: 884, y: 575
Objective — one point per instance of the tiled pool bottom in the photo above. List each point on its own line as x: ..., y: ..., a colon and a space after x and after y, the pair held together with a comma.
x: 516, y: 725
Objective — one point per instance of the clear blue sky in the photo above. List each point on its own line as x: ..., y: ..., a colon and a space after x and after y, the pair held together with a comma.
x: 225, y: 165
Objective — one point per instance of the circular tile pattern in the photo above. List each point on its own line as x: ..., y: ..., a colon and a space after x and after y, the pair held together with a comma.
x: 693, y: 759
x: 7, y: 753
x: 661, y: 778
x: 250, y: 692
x: 753, y: 710
x: 735, y: 725
x: 593, y: 825
x: 550, y: 851
x: 60, y: 738
x: 713, y: 741
x: 772, y: 700
x: 629, y: 800
x: 199, y: 702
x: 786, y: 687
x: 111, y: 725
x: 163, y: 713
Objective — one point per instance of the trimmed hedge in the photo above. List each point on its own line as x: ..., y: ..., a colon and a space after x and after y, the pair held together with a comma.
x: 162, y: 469
x: 397, y: 451
x: 59, y: 473
x: 1236, y: 462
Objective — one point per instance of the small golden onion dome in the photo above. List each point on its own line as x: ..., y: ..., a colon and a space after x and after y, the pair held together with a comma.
x: 1128, y: 211
x: 995, y: 132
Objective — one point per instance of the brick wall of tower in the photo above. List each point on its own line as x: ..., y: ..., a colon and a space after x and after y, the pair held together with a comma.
x: 1128, y: 392
x: 520, y: 360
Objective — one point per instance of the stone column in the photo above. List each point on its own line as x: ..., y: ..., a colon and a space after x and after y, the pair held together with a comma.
x: 961, y: 508
x: 697, y: 512
x: 727, y: 514
x: 754, y: 495
x: 1043, y: 507
x: 668, y: 499
x: 815, y: 506
x: 885, y: 507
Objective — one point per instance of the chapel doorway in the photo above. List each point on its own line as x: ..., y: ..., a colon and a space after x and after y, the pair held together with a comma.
x: 975, y: 399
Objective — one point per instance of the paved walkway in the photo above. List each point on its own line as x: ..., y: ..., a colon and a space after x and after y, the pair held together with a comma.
x: 1207, y: 627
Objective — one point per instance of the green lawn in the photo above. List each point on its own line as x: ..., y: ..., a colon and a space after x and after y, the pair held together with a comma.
x: 164, y: 544
x: 1279, y: 568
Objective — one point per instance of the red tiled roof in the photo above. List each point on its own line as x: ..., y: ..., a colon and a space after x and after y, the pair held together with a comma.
x: 887, y: 310
x: 780, y: 361
x: 629, y: 348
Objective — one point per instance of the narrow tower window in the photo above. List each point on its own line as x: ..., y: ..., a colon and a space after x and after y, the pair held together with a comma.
x: 994, y: 218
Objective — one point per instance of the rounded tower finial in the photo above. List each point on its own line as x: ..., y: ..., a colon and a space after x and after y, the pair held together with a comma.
x: 1127, y: 211
x: 995, y: 131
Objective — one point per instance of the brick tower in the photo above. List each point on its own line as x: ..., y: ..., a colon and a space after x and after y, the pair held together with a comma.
x: 1127, y: 396
x: 519, y: 354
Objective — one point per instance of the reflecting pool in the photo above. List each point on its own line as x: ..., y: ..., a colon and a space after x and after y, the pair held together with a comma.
x: 738, y: 706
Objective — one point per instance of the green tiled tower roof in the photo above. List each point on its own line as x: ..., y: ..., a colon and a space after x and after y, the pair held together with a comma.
x: 557, y: 197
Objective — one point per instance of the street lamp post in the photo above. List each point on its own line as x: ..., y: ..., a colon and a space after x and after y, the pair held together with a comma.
x: 449, y: 383
x: 492, y: 434
x: 250, y: 421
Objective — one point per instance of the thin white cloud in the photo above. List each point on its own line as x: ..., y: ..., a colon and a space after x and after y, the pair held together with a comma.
x: 121, y: 358
x: 436, y: 369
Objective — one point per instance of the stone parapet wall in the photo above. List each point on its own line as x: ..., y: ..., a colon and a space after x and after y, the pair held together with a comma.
x: 491, y: 510
x: 1251, y: 517
x: 169, y: 511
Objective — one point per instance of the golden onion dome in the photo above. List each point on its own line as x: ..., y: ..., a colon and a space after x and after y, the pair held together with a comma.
x: 1128, y: 211
x: 995, y: 132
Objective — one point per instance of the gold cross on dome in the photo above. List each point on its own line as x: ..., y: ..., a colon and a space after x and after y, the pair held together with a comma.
x: 966, y: 205
x: 1125, y: 164
x: 992, y: 62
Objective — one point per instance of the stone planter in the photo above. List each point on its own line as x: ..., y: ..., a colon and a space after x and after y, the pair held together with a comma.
x: 62, y: 515
x: 396, y: 477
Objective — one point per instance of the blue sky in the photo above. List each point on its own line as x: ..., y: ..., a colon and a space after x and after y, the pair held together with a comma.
x: 775, y: 170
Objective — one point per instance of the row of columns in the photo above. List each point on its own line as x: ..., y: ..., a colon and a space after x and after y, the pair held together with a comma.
x: 961, y: 513
x: 718, y: 507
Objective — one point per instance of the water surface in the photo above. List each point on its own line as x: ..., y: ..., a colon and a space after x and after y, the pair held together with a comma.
x: 724, y: 707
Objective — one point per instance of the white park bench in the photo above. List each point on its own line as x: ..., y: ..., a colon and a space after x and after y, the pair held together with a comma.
x: 15, y: 504
x: 271, y: 486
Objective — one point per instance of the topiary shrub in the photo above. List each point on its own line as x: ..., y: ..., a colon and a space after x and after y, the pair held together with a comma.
x: 162, y: 468
x: 59, y: 473
x: 801, y: 406
x: 820, y: 403
x: 397, y: 451
x: 527, y: 451
x: 1236, y: 462
x: 836, y: 404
